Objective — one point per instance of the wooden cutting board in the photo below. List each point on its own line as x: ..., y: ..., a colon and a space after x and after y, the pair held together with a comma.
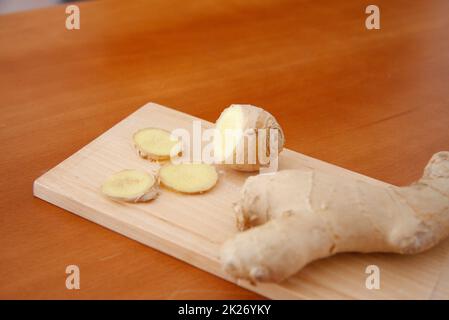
x: 192, y: 227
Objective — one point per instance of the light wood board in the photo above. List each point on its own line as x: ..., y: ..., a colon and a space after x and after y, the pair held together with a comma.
x: 192, y: 227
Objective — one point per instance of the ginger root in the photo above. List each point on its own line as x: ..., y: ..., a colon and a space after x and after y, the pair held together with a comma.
x: 189, y: 177
x: 154, y: 144
x: 298, y: 216
x: 131, y: 186
x: 246, y: 121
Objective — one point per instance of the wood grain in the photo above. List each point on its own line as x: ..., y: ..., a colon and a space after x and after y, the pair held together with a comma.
x: 375, y: 102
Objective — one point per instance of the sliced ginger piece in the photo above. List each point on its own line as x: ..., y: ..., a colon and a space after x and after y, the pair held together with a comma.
x: 154, y: 143
x: 189, y: 177
x: 131, y: 186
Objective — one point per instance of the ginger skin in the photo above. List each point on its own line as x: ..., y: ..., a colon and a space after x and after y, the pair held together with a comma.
x: 297, y: 216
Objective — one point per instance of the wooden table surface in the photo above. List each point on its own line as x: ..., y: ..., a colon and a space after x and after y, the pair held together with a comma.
x: 376, y: 102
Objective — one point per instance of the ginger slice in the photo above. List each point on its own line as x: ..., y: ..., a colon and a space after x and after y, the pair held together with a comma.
x: 131, y: 186
x: 154, y: 143
x: 189, y: 177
